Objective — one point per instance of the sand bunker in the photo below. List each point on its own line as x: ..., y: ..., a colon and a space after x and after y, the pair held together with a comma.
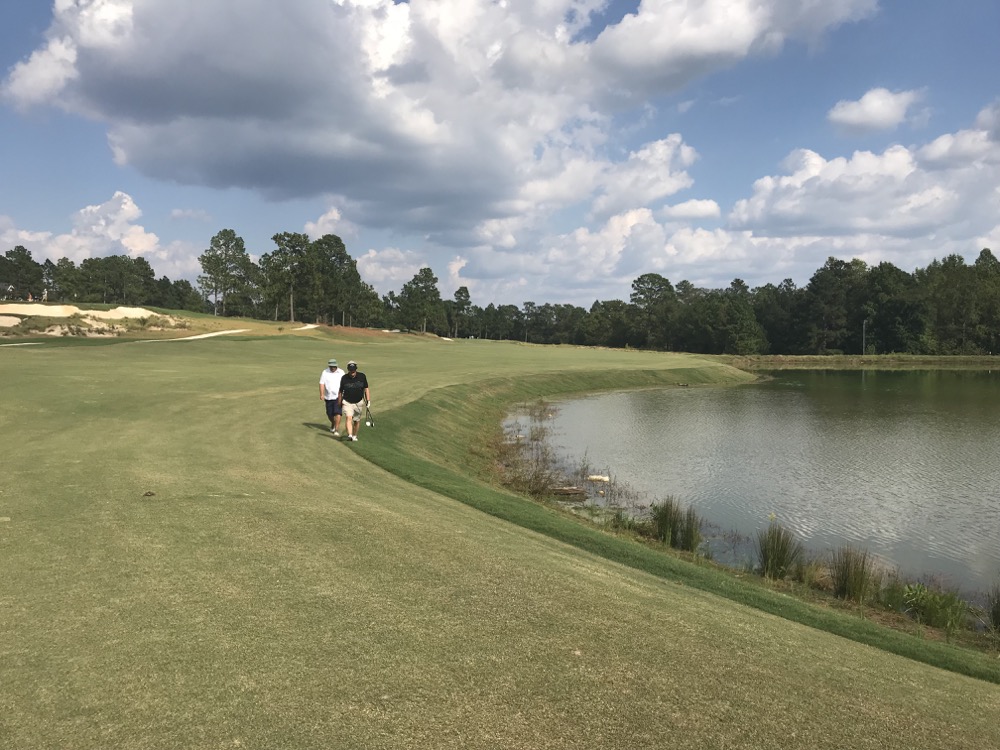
x: 8, y: 311
x: 79, y: 322
x: 66, y: 311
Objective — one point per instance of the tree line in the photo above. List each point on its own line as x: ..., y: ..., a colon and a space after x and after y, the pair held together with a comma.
x: 116, y: 279
x: 849, y: 307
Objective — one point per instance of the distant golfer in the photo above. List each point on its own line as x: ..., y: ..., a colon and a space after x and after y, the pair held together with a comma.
x: 329, y: 391
x: 354, y: 394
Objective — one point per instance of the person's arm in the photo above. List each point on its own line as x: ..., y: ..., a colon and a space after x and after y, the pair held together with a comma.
x: 322, y: 391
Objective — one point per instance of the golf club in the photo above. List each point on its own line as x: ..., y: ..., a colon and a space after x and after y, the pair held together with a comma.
x: 369, y: 419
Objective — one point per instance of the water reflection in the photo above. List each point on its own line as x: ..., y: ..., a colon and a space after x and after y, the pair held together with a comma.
x: 901, y: 463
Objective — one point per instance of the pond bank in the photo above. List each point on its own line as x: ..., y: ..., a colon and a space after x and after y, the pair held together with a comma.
x: 441, y: 442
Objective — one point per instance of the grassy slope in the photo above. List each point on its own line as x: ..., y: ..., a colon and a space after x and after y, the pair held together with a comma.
x: 279, y: 590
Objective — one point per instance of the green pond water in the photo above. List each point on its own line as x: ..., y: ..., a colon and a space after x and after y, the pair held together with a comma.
x: 903, y: 464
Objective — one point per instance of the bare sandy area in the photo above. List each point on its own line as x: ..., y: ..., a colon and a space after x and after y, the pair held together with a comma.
x: 93, y: 322
x: 203, y: 335
x: 66, y: 311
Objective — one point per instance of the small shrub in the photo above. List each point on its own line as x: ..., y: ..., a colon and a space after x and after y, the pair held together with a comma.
x: 952, y: 612
x: 777, y: 551
x: 915, y: 597
x: 854, y: 574
x: 944, y: 609
x: 892, y: 594
x: 526, y: 463
x: 620, y: 520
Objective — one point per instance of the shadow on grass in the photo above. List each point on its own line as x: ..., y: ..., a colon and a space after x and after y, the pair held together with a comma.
x: 324, y: 428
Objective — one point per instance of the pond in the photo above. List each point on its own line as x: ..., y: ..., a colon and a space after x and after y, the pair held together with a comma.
x: 903, y: 464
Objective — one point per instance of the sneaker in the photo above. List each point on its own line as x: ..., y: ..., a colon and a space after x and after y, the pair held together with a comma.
x: 335, y: 433
x: 354, y: 438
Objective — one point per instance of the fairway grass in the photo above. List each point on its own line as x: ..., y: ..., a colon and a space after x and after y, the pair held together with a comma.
x: 192, y: 561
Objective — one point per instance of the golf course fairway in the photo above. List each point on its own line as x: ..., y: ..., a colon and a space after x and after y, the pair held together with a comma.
x: 192, y: 560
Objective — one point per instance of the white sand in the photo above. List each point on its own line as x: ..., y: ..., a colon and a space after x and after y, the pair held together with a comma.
x: 65, y: 311
x: 50, y: 311
x: 119, y: 313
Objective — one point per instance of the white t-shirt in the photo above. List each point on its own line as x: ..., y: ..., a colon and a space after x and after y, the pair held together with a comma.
x: 330, y: 379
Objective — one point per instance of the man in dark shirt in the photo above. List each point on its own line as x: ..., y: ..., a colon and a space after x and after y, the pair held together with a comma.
x: 353, y: 396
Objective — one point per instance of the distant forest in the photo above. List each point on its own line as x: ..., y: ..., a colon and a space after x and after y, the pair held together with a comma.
x: 949, y: 307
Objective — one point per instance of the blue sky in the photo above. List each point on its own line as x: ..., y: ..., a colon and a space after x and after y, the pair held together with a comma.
x: 545, y: 151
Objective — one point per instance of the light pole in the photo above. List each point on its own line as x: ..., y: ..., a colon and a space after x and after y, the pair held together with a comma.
x: 864, y: 332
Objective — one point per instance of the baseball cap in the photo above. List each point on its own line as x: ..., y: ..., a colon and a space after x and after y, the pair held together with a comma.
x: 352, y: 365
x: 332, y: 363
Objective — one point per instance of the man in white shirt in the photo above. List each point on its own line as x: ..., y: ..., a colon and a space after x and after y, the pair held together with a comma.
x: 329, y: 389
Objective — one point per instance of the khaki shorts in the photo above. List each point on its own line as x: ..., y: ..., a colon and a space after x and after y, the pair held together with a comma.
x: 354, y: 411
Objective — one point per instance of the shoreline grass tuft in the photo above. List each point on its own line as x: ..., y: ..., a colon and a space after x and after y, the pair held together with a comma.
x: 855, y: 576
x: 778, y: 551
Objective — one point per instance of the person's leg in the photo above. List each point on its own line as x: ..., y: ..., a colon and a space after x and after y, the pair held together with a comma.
x: 355, y: 418
x: 349, y: 413
x: 337, y: 411
x: 331, y: 410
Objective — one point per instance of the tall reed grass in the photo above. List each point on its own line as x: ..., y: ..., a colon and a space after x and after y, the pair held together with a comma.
x: 667, y: 518
x: 678, y: 528
x: 778, y: 551
x: 993, y: 609
x: 855, y: 575
x: 690, y: 531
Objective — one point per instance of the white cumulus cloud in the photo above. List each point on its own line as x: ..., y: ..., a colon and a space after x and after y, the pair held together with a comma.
x: 331, y: 222
x: 491, y: 133
x: 432, y: 116
x: 99, y: 230
x: 390, y: 267
x: 692, y: 209
x: 878, y: 109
